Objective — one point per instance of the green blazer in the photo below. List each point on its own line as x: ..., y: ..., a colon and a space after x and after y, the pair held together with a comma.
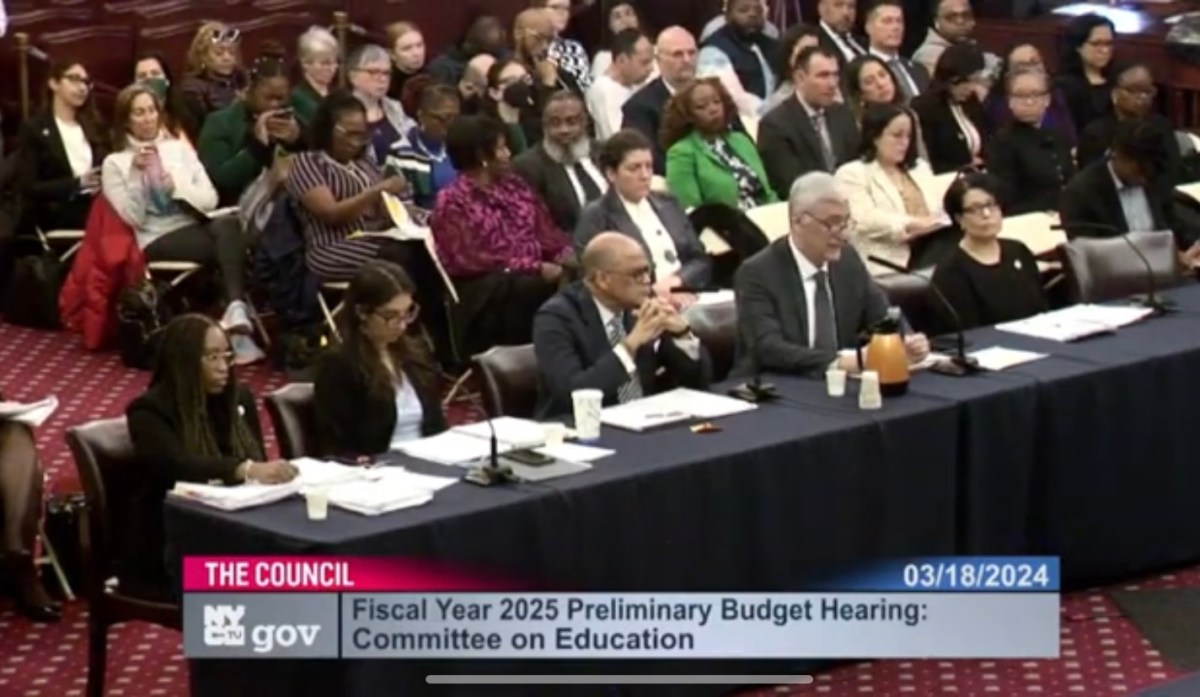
x: 232, y: 156
x: 696, y: 176
x: 305, y: 101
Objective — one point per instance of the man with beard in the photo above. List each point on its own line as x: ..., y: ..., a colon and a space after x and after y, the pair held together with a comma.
x: 741, y: 55
x: 473, y: 86
x: 560, y: 169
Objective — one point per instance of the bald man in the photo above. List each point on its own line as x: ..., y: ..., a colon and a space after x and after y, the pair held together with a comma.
x: 676, y: 54
x: 609, y: 333
x: 473, y: 85
x: 533, y: 34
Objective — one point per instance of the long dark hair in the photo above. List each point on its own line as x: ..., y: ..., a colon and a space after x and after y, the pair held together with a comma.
x: 179, y: 373
x: 376, y: 284
x: 1078, y: 31
x: 876, y: 118
x: 677, y: 120
x: 87, y: 115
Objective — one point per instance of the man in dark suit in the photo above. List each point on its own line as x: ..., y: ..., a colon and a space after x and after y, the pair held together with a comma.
x: 611, y: 334
x: 836, y: 27
x: 812, y: 132
x: 885, y: 34
x: 676, y: 54
x: 1120, y: 194
x: 561, y: 168
x: 808, y: 296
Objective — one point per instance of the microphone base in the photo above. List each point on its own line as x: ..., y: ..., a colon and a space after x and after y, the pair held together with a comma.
x: 1161, y: 306
x: 490, y: 475
x: 957, y: 366
x: 755, y: 392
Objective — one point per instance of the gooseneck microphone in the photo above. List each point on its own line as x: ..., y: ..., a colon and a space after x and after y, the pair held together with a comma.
x: 1161, y: 306
x: 491, y: 473
x: 754, y: 390
x: 960, y: 364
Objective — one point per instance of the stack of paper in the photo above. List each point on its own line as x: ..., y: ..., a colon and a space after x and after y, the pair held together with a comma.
x: 450, y: 448
x: 1076, y: 322
x: 369, y: 498
x: 235, y: 498
x: 671, y: 407
x: 515, y: 433
x: 573, y: 452
x: 32, y: 415
x: 317, y: 473
x: 1000, y: 358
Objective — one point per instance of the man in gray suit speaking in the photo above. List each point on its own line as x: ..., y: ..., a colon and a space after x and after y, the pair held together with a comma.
x: 809, y: 295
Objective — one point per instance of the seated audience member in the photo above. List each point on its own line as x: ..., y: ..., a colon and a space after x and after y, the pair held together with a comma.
x: 151, y: 70
x: 653, y: 219
x: 240, y: 141
x: 719, y: 22
x: 422, y: 159
x: 893, y: 195
x: 510, y: 101
x: 370, y: 72
x: 797, y: 38
x: 407, y: 45
x: 485, y: 35
x: 534, y: 37
x: 811, y: 132
x: 808, y: 295
x: 1133, y: 94
x: 1031, y: 161
x: 214, y: 71
x: 708, y: 161
x: 625, y: 75
x: 496, y: 239
x: 1024, y: 57
x: 1084, y: 68
x: 611, y: 333
x: 145, y: 179
x: 621, y: 15
x: 473, y: 86
x: 885, y: 34
x: 568, y: 54
x: 379, y: 387
x: 836, y: 25
x: 985, y: 279
x: 21, y: 500
x: 562, y: 169
x: 194, y: 423
x: 59, y: 152
x: 953, y: 24
x: 868, y: 80
x: 742, y: 56
x: 953, y: 127
x: 319, y: 55
x: 675, y: 55
x: 1119, y: 194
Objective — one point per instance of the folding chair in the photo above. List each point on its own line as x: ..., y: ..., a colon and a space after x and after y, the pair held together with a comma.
x: 48, y: 240
x: 49, y: 557
x: 330, y: 315
x: 179, y: 271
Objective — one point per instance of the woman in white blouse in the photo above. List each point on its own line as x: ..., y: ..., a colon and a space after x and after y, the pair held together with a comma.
x: 158, y: 186
x: 893, y: 194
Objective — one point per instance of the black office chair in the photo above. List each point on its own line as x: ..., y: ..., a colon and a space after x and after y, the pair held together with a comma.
x: 1107, y: 268
x: 294, y: 418
x: 509, y: 380
x: 715, y: 325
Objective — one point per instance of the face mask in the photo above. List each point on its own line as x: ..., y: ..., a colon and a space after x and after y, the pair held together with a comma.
x: 518, y: 95
x: 157, y: 85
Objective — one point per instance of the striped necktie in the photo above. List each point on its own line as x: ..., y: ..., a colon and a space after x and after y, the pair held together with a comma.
x: 632, y: 388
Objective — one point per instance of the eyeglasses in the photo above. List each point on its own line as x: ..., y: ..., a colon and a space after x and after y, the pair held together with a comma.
x: 81, y: 80
x: 642, y: 274
x: 959, y: 17
x: 1028, y: 96
x: 226, y: 35
x: 1139, y: 92
x: 844, y: 228
x: 353, y: 136
x: 218, y: 357
x: 394, y: 319
x: 982, y: 208
x: 374, y: 72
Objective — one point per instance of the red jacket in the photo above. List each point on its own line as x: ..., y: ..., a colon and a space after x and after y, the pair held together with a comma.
x: 108, y: 261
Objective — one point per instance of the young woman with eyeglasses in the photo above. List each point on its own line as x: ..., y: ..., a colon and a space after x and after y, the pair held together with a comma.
x: 1133, y: 96
x: 379, y: 388
x: 194, y: 423
x: 214, y: 70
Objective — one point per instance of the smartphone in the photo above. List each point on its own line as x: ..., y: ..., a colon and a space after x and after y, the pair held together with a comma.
x: 529, y: 457
x: 285, y: 113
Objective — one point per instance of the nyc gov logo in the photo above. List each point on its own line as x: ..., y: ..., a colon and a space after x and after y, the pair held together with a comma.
x: 223, y: 625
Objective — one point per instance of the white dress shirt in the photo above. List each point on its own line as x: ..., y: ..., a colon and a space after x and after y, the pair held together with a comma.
x: 75, y: 143
x: 848, y: 47
x: 974, y: 142
x: 808, y: 272
x: 592, y: 171
x: 663, y: 254
x: 688, y: 343
x: 605, y: 98
x: 1134, y: 204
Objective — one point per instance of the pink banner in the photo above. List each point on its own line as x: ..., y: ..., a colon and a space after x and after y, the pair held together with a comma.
x: 333, y: 574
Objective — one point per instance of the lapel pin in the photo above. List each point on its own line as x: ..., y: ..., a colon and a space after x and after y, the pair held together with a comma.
x: 1017, y: 264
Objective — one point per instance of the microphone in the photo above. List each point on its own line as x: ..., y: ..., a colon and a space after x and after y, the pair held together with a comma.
x: 755, y: 390
x: 491, y: 473
x: 960, y: 364
x: 1161, y: 306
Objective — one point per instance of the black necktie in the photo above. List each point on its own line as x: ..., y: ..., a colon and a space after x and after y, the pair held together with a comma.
x: 850, y: 44
x: 591, y: 192
x: 825, y: 336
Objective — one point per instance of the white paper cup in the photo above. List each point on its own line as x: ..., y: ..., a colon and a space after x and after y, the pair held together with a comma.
x: 869, y: 396
x: 835, y: 382
x: 587, y: 405
x: 317, y: 503
x: 555, y: 434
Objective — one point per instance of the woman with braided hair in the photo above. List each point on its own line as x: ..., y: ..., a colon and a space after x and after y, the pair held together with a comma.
x: 194, y: 423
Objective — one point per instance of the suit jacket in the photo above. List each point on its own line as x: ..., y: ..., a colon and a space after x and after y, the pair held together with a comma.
x: 790, y: 146
x: 916, y: 72
x: 1033, y: 163
x: 879, y: 210
x: 827, y: 42
x: 643, y: 112
x: 549, y: 179
x: 44, y: 175
x: 1091, y: 198
x: 352, y: 420
x: 944, y: 140
x: 696, y: 176
x: 609, y: 214
x: 573, y: 353
x: 773, y: 316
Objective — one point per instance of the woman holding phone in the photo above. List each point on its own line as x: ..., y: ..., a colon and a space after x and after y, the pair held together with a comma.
x: 158, y: 186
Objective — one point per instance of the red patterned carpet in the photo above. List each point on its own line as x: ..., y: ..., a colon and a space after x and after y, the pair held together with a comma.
x: 1102, y: 653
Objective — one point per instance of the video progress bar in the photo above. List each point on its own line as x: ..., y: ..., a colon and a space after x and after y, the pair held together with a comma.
x: 619, y: 679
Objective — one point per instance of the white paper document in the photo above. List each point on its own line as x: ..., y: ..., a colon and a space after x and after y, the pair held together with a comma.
x: 371, y: 498
x: 1076, y: 322
x: 1000, y: 358
x: 399, y: 477
x: 450, y: 448
x: 680, y: 404
x: 316, y: 473
x: 510, y: 431
x: 572, y: 452
x: 235, y: 498
x: 33, y: 414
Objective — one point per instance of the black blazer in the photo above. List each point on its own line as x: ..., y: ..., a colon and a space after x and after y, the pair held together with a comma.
x: 45, y: 175
x: 608, y: 214
x: 573, y: 353
x: 1091, y: 198
x: 826, y: 40
x: 1085, y: 101
x: 1033, y: 164
x: 773, y: 314
x: 944, y: 140
x: 1097, y: 138
x: 790, y: 146
x: 643, y: 112
x: 549, y: 179
x: 352, y: 421
x: 916, y: 71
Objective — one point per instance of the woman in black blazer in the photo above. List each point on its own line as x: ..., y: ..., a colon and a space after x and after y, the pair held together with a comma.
x: 194, y: 423
x: 953, y: 124
x: 1084, y: 73
x: 60, y: 152
x: 379, y: 388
